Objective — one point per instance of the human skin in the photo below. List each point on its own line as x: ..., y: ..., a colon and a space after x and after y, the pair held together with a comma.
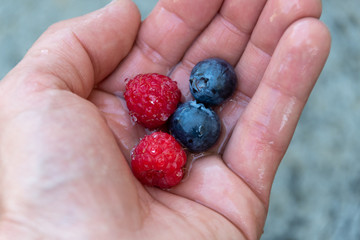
x: 66, y: 137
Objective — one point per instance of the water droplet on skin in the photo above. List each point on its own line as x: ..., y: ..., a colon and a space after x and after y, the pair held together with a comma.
x: 287, y: 112
x: 44, y: 51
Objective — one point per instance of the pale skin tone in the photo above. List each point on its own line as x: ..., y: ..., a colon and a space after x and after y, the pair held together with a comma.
x: 66, y: 137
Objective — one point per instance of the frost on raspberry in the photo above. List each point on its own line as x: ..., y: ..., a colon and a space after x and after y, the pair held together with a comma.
x: 158, y: 160
x: 151, y: 99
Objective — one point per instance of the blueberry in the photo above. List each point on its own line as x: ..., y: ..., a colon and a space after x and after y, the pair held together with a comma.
x: 196, y: 127
x: 212, y: 81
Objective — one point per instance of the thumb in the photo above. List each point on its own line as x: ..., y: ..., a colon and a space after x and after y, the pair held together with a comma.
x: 78, y: 53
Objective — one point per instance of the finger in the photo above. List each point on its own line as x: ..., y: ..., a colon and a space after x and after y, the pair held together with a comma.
x: 264, y: 130
x: 163, y: 38
x: 78, y: 53
x: 276, y: 17
x: 226, y: 37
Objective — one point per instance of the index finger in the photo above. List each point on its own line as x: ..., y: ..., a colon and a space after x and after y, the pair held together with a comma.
x: 163, y: 39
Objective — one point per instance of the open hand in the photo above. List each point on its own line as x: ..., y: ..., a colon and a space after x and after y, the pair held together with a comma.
x: 66, y: 136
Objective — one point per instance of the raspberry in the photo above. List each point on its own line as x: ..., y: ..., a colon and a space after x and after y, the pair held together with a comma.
x: 158, y: 160
x: 151, y: 99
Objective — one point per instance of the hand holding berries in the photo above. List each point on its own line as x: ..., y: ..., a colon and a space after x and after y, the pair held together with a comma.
x: 158, y: 159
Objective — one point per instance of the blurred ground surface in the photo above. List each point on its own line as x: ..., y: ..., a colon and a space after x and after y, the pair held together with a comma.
x: 316, y: 194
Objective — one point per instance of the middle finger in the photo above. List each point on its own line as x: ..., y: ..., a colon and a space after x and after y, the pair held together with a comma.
x: 226, y: 37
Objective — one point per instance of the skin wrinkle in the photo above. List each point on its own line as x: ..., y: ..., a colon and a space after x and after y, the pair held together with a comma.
x: 91, y: 59
x: 58, y: 71
x: 230, y: 204
x: 156, y: 192
x: 229, y: 35
x: 111, y: 199
x: 149, y: 51
x: 151, y: 54
x: 215, y: 211
x: 259, y: 48
x: 184, y: 215
x: 261, y: 146
x: 206, y: 6
x: 248, y: 69
x: 232, y: 28
x: 208, y: 178
x: 73, y: 39
x: 250, y: 9
x: 9, y: 223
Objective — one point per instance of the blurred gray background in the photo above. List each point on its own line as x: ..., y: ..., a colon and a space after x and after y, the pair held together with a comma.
x: 316, y: 194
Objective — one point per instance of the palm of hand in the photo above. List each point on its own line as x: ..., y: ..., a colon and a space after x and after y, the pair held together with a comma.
x: 85, y: 181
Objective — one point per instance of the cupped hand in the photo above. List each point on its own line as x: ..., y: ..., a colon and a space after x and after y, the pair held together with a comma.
x: 66, y: 136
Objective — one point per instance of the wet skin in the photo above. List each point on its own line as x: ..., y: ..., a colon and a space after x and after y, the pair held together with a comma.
x: 66, y: 136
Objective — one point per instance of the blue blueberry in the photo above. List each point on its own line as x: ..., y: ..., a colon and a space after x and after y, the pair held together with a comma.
x: 212, y: 81
x: 196, y: 127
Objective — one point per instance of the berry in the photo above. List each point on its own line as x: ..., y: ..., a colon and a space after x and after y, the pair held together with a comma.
x: 151, y: 99
x: 158, y: 160
x: 196, y: 127
x: 212, y: 81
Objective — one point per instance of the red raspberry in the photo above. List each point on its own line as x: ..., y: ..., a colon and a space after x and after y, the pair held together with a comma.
x: 151, y: 99
x: 158, y: 160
